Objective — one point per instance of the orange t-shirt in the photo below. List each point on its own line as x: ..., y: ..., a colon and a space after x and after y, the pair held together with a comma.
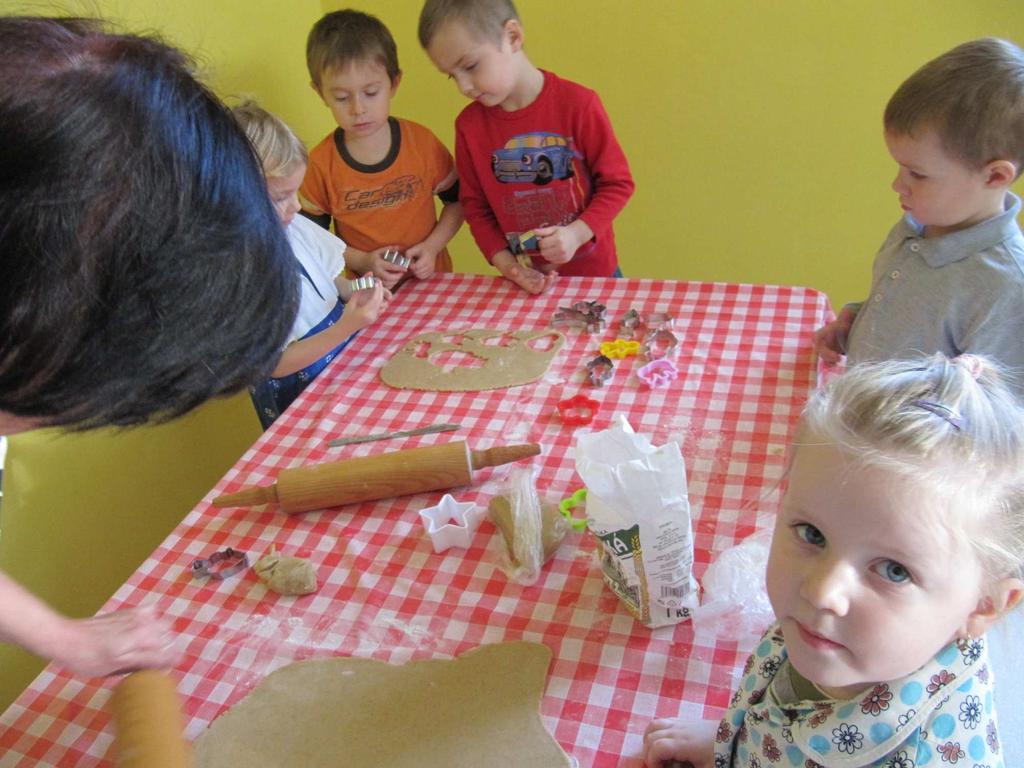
x: 390, y: 203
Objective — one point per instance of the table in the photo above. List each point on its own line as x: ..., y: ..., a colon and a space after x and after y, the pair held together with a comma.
x: 746, y: 368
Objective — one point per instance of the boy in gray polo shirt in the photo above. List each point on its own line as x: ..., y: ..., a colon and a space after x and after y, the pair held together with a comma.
x: 950, y: 276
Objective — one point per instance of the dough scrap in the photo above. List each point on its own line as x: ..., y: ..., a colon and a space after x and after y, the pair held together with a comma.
x: 515, y: 359
x: 286, y: 575
x: 481, y: 708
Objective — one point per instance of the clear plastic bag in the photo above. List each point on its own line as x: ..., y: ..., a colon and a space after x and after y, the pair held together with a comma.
x: 735, y: 603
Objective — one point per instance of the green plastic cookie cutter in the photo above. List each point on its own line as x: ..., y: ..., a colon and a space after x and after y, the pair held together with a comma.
x: 565, y: 506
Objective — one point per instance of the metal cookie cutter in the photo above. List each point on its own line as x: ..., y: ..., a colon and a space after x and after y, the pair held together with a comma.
x: 220, y: 565
x: 658, y: 373
x: 577, y: 411
x: 394, y: 257
x: 599, y: 370
x: 582, y: 314
x: 656, y: 320
x: 364, y: 282
x: 620, y: 348
x: 661, y: 343
x: 632, y: 325
x: 451, y: 523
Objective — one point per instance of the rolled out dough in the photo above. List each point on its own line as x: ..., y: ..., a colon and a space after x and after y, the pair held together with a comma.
x: 491, y: 359
x: 479, y: 709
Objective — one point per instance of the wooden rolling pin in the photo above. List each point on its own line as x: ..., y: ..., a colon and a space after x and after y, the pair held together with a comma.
x: 398, y: 473
x: 148, y: 726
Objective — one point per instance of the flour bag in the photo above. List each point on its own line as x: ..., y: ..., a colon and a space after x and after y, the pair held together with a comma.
x: 638, y: 508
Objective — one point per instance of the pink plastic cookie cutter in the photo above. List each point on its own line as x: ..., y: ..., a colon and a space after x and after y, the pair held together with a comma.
x: 451, y: 523
x: 658, y: 373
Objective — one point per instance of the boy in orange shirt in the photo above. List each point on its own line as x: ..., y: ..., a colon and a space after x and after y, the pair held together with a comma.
x: 376, y: 175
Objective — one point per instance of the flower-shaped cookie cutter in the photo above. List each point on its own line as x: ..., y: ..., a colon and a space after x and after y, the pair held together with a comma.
x: 451, y: 523
x: 577, y: 411
x: 582, y: 314
x: 658, y: 373
x: 220, y: 565
x: 392, y: 256
x: 620, y: 348
x: 599, y: 370
x: 362, y: 283
x: 661, y: 343
x: 565, y: 506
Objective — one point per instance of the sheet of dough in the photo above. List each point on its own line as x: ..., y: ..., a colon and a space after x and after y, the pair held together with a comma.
x: 479, y: 709
x: 514, y: 360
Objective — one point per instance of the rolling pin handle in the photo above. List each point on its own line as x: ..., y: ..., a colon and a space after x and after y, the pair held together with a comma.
x: 502, y: 454
x: 247, y: 497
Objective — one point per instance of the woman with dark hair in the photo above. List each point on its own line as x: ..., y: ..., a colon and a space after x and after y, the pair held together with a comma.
x: 144, y: 268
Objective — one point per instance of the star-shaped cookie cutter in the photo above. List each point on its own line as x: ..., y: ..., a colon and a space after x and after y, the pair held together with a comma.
x: 658, y: 373
x: 451, y: 523
x: 220, y: 565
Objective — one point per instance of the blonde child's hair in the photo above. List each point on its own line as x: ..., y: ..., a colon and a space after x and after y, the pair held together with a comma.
x: 486, y: 18
x: 951, y: 425
x: 973, y: 97
x: 278, y: 148
x: 341, y: 37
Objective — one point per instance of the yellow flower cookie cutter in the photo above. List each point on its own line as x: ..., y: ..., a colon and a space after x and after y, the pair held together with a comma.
x: 620, y: 348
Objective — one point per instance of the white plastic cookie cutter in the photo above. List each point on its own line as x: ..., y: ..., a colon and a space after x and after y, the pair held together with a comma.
x: 451, y: 523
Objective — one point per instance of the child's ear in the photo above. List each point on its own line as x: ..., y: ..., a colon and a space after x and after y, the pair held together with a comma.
x: 1005, y: 596
x: 513, y: 34
x: 394, y: 83
x: 316, y: 89
x: 1000, y: 173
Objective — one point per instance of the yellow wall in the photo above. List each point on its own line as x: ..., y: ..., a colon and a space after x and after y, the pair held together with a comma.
x: 753, y: 128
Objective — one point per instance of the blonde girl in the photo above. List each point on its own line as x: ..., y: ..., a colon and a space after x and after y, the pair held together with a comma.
x: 899, y: 542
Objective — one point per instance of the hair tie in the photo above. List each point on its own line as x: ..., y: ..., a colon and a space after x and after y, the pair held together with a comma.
x: 942, y: 411
x: 972, y: 363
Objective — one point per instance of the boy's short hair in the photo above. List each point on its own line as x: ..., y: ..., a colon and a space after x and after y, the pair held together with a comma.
x: 973, y: 97
x: 341, y: 37
x: 144, y: 267
x: 277, y: 147
x: 487, y: 18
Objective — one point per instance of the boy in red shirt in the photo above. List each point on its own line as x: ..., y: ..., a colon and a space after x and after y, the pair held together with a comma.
x: 541, y: 173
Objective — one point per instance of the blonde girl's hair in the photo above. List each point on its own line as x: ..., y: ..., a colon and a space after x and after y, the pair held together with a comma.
x: 952, y: 425
x: 278, y: 148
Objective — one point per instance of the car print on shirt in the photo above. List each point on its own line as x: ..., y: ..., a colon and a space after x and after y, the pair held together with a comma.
x: 538, y: 157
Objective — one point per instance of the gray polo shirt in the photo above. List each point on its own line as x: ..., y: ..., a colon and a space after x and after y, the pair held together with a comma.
x: 963, y: 292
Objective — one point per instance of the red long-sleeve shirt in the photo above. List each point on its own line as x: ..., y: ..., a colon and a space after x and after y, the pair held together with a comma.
x: 547, y: 164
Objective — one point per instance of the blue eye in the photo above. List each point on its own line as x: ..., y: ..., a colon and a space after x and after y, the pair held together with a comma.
x: 892, y: 571
x: 808, y: 533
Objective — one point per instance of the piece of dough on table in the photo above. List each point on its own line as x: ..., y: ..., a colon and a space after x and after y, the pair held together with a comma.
x: 482, y: 708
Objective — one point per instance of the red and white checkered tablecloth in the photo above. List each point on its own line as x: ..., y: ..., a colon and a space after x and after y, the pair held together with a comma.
x: 746, y: 368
